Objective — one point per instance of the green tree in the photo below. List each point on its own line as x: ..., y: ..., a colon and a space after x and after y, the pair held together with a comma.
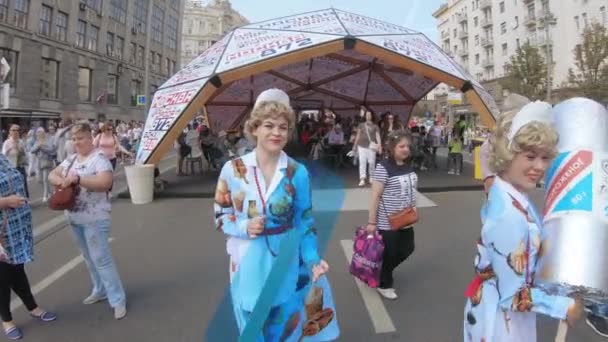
x: 526, y: 73
x: 591, y: 60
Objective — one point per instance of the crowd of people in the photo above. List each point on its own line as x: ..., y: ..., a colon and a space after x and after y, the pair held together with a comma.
x: 79, y: 155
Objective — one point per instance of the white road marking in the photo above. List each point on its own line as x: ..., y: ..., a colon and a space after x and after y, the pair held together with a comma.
x: 355, y: 199
x: 375, y: 307
x: 51, y: 278
x: 60, y: 219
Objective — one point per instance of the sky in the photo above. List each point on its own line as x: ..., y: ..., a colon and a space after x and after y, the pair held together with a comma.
x: 412, y: 14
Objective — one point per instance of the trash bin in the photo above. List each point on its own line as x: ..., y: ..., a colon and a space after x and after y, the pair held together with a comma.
x: 140, y: 180
x: 477, y: 158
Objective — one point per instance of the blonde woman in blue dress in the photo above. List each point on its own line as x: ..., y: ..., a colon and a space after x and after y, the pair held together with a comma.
x: 502, y: 299
x: 260, y: 198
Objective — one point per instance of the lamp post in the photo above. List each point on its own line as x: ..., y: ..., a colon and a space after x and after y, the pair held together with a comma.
x: 547, y: 19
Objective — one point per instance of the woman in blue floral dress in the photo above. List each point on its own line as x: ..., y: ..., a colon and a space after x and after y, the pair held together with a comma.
x: 16, y: 248
x: 502, y: 299
x: 259, y: 199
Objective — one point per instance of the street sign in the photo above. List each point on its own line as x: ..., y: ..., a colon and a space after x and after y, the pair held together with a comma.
x: 5, y: 68
x: 5, y: 89
x: 455, y: 98
x: 141, y: 100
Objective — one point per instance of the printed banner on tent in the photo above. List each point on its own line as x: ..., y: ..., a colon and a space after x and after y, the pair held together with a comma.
x: 251, y: 46
x: 488, y: 100
x: 415, y: 85
x: 359, y: 24
x: 419, y: 48
x: 201, y: 66
x: 167, y: 105
x: 324, y: 21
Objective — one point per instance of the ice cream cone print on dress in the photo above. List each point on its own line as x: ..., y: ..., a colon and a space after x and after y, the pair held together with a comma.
x: 240, y: 170
x: 252, y: 211
x: 238, y: 199
x: 222, y: 194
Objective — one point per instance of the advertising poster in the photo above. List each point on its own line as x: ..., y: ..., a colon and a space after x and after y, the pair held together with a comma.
x: 324, y: 21
x: 168, y: 104
x: 251, y: 46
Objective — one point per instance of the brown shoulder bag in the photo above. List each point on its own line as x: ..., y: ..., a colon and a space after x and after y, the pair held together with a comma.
x: 64, y: 199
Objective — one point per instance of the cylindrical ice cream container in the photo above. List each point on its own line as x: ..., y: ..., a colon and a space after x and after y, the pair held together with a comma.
x: 574, y: 251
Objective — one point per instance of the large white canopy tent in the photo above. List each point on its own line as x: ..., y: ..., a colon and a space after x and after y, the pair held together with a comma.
x: 329, y: 58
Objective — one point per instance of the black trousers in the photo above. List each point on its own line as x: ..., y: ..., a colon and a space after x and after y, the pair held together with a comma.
x: 21, y: 170
x: 398, y: 246
x: 12, y: 277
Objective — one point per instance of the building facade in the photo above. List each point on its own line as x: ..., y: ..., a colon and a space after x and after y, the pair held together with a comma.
x: 482, y: 35
x: 87, y: 58
x: 206, y: 22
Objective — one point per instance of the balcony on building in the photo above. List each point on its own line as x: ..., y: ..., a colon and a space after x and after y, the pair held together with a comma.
x: 486, y: 22
x: 463, y: 52
x: 542, y: 41
x: 463, y: 34
x: 483, y: 4
x: 530, y: 20
x: 487, y: 41
x: 462, y: 17
x: 487, y: 63
x: 445, y: 35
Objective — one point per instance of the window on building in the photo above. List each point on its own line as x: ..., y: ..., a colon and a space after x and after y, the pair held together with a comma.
x: 159, y: 59
x: 172, y: 33
x: 4, y: 10
x: 168, y: 67
x: 118, y: 10
x: 158, y: 15
x: 504, y: 49
x: 585, y: 22
x: 503, y: 27
x: 455, y: 32
x: 475, y: 21
x: 84, y: 84
x: 20, y: 13
x: 516, y: 22
x: 12, y: 58
x: 603, y: 15
x: 578, y: 24
x: 49, y: 80
x: 120, y: 47
x: 517, y: 43
x: 93, y: 36
x: 112, y: 89
x: 135, y: 89
x: 501, y: 5
x: 95, y: 4
x: 46, y: 15
x: 152, y: 60
x: 140, y: 56
x: 175, y: 5
x: 140, y: 15
x: 61, y: 26
x: 110, y: 44
x: 81, y: 34
x: 476, y: 59
x: 476, y: 40
x: 133, y: 53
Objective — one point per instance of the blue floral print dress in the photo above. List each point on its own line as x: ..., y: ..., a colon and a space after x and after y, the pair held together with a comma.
x: 301, y: 309
x: 16, y: 240
x: 502, y: 299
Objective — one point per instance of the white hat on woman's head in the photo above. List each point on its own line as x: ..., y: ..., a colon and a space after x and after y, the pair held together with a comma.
x: 536, y: 111
x: 273, y: 95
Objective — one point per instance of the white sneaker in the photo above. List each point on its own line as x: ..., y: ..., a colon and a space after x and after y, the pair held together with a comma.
x: 457, y: 173
x: 92, y: 299
x: 451, y: 172
x: 362, y: 182
x: 120, y: 312
x: 388, y: 293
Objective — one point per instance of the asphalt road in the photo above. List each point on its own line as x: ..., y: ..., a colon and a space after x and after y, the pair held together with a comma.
x: 174, y: 268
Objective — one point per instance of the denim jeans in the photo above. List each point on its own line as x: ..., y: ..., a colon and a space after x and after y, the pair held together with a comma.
x: 599, y: 309
x: 92, y: 239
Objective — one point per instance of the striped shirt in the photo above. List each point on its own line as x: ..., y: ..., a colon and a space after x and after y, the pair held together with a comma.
x: 400, y: 183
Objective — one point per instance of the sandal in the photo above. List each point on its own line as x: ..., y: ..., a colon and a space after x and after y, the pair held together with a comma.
x: 13, y: 333
x: 45, y: 316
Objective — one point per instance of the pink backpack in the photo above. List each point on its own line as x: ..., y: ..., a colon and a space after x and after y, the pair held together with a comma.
x: 367, y: 257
